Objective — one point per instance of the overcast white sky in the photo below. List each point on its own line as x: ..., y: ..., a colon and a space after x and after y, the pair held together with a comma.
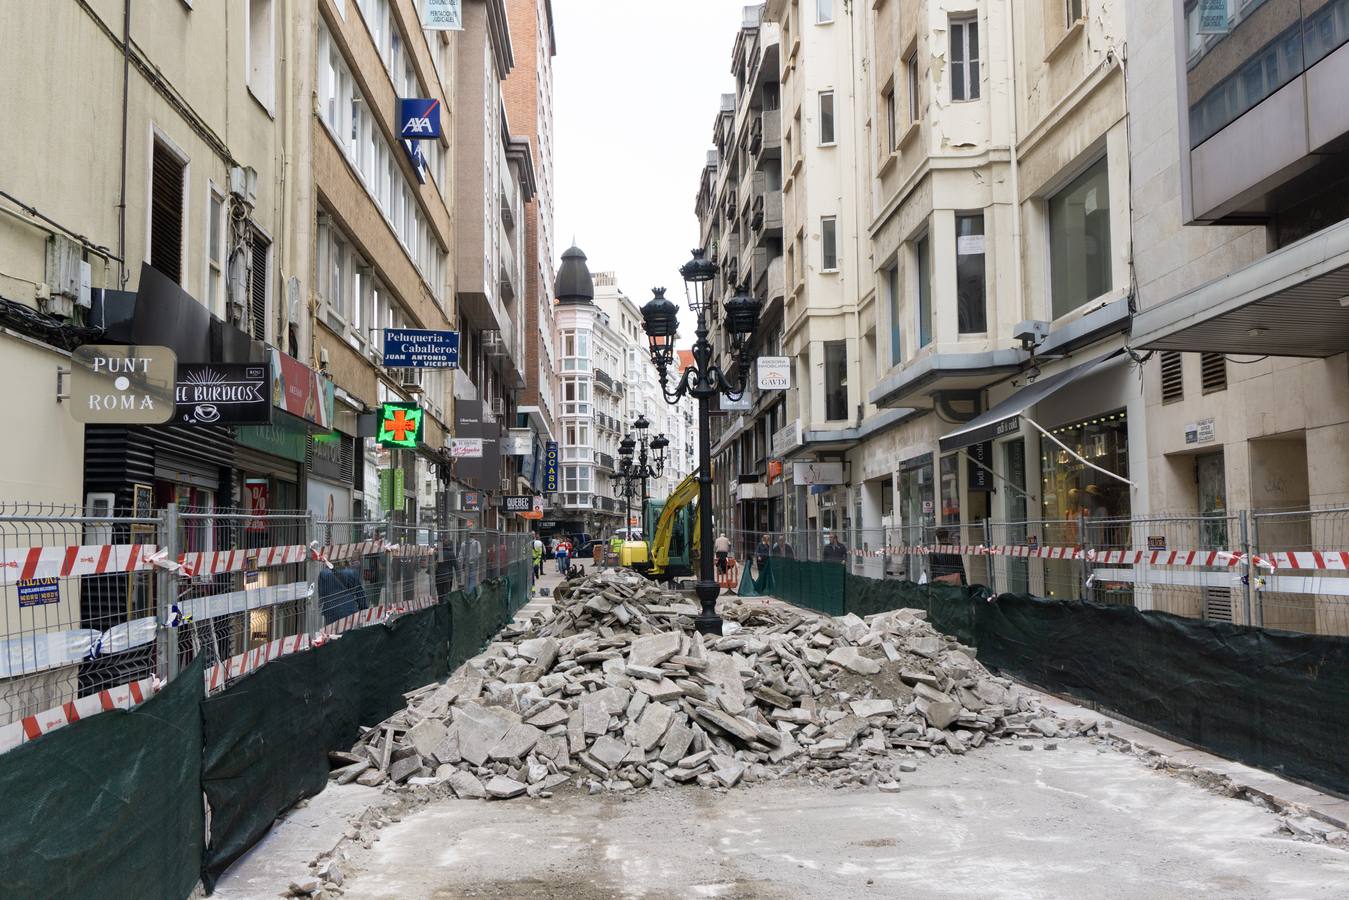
x: 637, y: 84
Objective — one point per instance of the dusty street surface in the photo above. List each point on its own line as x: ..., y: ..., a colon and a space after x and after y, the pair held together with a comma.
x: 1076, y: 822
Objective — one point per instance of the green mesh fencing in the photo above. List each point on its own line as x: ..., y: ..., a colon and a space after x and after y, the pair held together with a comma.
x: 267, y: 736
x: 109, y: 806
x: 814, y: 585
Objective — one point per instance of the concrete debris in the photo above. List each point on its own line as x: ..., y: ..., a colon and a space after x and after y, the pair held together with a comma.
x: 614, y: 690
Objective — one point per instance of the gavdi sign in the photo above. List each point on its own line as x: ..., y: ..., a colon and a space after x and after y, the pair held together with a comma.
x: 418, y: 118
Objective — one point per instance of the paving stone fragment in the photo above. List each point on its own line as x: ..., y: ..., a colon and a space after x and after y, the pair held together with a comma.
x: 503, y: 788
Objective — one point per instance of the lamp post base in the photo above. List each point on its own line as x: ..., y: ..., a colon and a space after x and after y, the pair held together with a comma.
x: 707, y: 621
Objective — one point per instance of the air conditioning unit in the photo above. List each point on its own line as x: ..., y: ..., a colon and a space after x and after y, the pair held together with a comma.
x: 498, y: 406
x: 506, y: 486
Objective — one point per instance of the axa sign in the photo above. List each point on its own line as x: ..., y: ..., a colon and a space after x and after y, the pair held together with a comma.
x: 418, y: 118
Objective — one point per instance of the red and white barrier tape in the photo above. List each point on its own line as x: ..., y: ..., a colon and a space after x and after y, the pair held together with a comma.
x: 26, y: 563
x: 30, y: 728
x: 1199, y: 558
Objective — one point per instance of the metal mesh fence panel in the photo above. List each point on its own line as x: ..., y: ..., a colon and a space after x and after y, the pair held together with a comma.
x: 1305, y: 586
x: 80, y: 605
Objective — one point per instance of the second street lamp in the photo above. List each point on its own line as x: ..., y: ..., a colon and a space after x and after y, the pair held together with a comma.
x: 644, y: 466
x: 703, y: 380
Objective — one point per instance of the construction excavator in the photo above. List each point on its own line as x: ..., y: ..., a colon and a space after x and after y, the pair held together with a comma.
x: 673, y: 528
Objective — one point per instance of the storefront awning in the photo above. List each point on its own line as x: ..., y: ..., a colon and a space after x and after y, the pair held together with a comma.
x: 1005, y: 418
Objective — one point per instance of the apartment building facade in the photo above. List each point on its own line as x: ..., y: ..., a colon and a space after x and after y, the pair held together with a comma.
x: 382, y: 227
x: 495, y: 179
x: 740, y: 213
x: 1241, y: 256
x: 529, y: 107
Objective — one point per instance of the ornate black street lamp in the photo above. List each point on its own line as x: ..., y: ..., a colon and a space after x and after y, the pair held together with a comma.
x: 643, y: 466
x: 703, y: 380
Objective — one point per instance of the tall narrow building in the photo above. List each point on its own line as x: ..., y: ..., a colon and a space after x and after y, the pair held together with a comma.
x: 529, y: 107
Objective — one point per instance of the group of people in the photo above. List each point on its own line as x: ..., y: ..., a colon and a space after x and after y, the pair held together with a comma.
x: 560, y: 549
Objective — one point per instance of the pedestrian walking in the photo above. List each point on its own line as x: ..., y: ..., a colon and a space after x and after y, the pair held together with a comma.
x: 723, y: 551
x: 835, y: 550
x: 761, y: 553
x: 563, y: 554
x: 537, y: 550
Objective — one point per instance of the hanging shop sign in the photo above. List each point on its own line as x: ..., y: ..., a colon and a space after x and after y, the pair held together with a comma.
x: 550, y: 468
x: 466, y: 448
x: 418, y: 118
x: 817, y: 473
x: 517, y: 503
x: 978, y: 477
x: 122, y: 385
x: 517, y: 442
x: 470, y: 501
x: 443, y: 15
x: 391, y: 488
x: 223, y: 394
x: 775, y: 373
x: 736, y: 404
x: 415, y: 348
x: 400, y: 425
x: 774, y: 471
x: 300, y: 391
x: 787, y: 438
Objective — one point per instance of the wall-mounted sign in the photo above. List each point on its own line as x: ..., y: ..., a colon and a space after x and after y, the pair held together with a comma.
x: 517, y: 503
x: 1156, y: 542
x: 391, y: 488
x: 415, y: 156
x: 787, y: 438
x: 775, y: 373
x: 517, y: 442
x: 466, y: 448
x: 550, y: 468
x: 1202, y: 432
x: 400, y: 425
x: 301, y: 391
x: 817, y: 472
x: 774, y: 471
x: 415, y: 348
x: 418, y: 118
x: 223, y: 394
x: 443, y: 15
x: 122, y: 385
x: 470, y: 501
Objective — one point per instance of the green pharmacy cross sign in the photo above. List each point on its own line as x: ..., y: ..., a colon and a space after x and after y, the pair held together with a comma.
x: 400, y: 425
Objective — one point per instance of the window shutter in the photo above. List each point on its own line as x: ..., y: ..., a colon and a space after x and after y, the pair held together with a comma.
x: 1173, y: 388
x: 166, y: 214
x: 257, y: 288
x: 1213, y: 372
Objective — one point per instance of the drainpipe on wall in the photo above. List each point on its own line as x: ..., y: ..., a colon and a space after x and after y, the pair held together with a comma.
x: 121, y: 191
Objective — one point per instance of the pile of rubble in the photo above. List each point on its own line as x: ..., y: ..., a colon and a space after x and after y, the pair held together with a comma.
x: 615, y: 690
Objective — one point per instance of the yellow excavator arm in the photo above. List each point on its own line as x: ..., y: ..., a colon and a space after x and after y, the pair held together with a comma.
x: 684, y: 494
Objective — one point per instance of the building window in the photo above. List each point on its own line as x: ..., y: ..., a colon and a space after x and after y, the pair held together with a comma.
x: 950, y: 489
x: 215, y: 252
x: 259, y: 247
x: 896, y: 332
x: 829, y: 243
x: 260, y: 47
x: 891, y: 118
x: 168, y: 180
x: 824, y: 11
x: 1079, y: 240
x: 971, y: 291
x: 835, y: 380
x: 826, y: 117
x: 1072, y: 11
x: 965, y: 58
x: 924, y: 292
x: 911, y: 81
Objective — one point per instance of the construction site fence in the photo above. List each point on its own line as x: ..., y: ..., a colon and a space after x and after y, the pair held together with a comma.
x: 211, y: 653
x: 1281, y: 569
x: 1271, y: 698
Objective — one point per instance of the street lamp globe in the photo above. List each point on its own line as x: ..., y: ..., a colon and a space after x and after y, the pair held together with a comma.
x: 641, y: 424
x: 742, y: 317
x: 660, y: 321
x: 660, y: 443
x: 626, y: 446
x: 698, y: 273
